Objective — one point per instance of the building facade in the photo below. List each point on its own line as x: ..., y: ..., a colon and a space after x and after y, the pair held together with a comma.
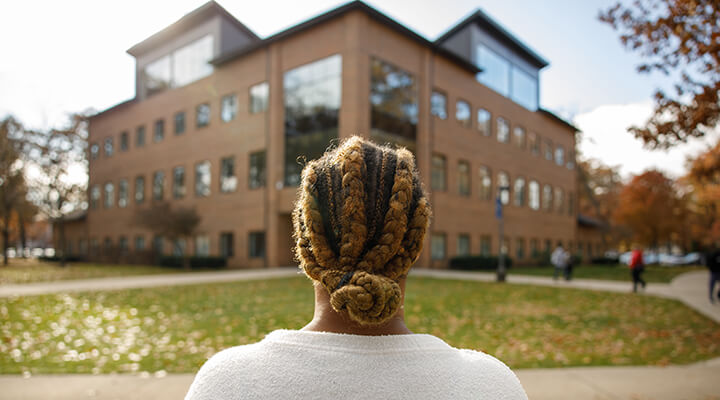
x: 222, y: 121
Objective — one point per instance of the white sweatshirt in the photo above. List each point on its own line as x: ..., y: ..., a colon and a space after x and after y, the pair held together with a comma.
x: 314, y: 365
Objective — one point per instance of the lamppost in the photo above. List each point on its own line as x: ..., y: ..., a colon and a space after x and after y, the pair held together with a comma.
x: 501, y: 271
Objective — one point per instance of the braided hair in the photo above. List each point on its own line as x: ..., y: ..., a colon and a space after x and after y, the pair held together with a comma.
x: 359, y: 224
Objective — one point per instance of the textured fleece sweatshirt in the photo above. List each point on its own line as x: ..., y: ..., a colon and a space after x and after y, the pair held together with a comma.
x: 318, y: 365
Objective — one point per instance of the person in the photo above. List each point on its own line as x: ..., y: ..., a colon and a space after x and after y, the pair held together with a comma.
x: 637, y: 267
x: 712, y: 261
x: 559, y: 260
x: 360, y: 221
x: 569, y: 264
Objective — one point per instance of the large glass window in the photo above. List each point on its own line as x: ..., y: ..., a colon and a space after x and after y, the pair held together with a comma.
x: 438, y: 246
x: 159, y: 133
x: 108, y: 147
x: 312, y: 105
x: 547, y: 197
x: 484, y: 120
x: 202, y: 179
x: 179, y: 122
x: 534, y: 195
x: 519, y: 192
x: 438, y: 104
x: 257, y: 170
x: 503, y: 187
x: 94, y: 197
x: 438, y: 173
x: 158, y: 188
x: 463, y: 245
x: 229, y: 107
x: 503, y: 130
x: 123, y: 193
x: 464, y: 178
x: 139, y: 189
x: 463, y: 113
x: 157, y: 75
x: 495, y: 70
x: 524, y: 89
x: 202, y: 115
x: 228, y: 180
x: 178, y: 182
x: 485, y: 183
x: 190, y: 62
x: 519, y: 137
x: 259, y: 95
x: 256, y: 241
x: 109, y: 195
x: 140, y: 136
x: 393, y: 104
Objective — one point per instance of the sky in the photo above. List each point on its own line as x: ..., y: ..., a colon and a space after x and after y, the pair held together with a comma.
x: 67, y: 56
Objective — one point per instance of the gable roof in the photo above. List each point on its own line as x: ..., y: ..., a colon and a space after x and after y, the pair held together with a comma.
x: 502, y: 34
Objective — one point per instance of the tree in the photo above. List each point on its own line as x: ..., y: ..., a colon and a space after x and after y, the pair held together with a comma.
x: 599, y: 188
x: 676, y: 37
x: 176, y: 224
x: 55, y: 152
x: 651, y: 208
x: 12, y: 180
x: 703, y: 180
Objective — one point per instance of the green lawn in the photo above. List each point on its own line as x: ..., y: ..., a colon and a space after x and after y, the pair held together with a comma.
x: 177, y: 329
x: 28, y: 271
x: 653, y: 273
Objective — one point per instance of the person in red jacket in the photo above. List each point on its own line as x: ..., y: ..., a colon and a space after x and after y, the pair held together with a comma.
x: 637, y: 266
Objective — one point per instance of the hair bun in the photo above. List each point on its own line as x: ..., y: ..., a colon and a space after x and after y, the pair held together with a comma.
x: 369, y: 299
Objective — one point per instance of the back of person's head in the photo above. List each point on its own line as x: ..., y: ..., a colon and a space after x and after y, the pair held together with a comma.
x: 360, y: 221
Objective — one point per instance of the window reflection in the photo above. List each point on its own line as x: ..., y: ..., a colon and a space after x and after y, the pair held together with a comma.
x: 519, y: 191
x: 524, y: 89
x: 534, y: 195
x: 202, y: 179
x: 259, y: 95
x: 185, y: 65
x: 484, y: 120
x: 393, y: 105
x: 462, y: 113
x: 438, y: 105
x: 496, y: 70
x: 503, y: 130
x: 228, y: 180
x: 485, y: 183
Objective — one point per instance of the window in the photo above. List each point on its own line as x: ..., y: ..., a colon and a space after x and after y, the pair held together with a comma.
x: 139, y: 243
x: 158, y: 189
x: 438, y: 173
x: 548, y: 149
x: 485, y: 183
x: 157, y: 75
x: 560, y: 156
x: 202, y: 179
x: 108, y: 147
x: 312, y: 106
x: 571, y: 203
x: 107, y: 246
x: 94, y: 197
x: 547, y: 197
x: 179, y: 122
x: 257, y: 170
x: 139, y: 189
x: 123, y: 245
x: 519, y: 192
x: 534, y: 248
x: 228, y: 180
x: 202, y: 115
x: 183, y: 66
x: 438, y: 246
x: 484, y: 119
x: 463, y: 245
x: 534, y: 143
x: 393, y: 104
x: 94, y: 246
x: 503, y: 181
x: 259, y: 95
x: 158, y: 245
x: 140, y: 136
x: 485, y: 245
x: 438, y: 104
x: 570, y: 160
x: 503, y: 130
x: 534, y: 195
x: 227, y: 247
x: 123, y: 193
x: 505, y: 246
x: 548, y: 245
x: 256, y: 240
x: 524, y: 88
x: 109, y: 195
x: 124, y: 141
x: 520, y: 248
x: 519, y: 137
x: 178, y: 247
x: 463, y: 178
x: 159, y: 133
x: 463, y: 112
x: 178, y: 189
x: 202, y: 245
x: 94, y: 151
x: 559, y: 200
x: 495, y: 70
x: 229, y: 108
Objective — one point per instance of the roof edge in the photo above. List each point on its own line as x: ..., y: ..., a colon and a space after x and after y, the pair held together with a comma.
x: 558, y: 119
x: 116, y: 107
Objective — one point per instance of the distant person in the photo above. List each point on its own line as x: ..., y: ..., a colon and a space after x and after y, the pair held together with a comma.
x: 360, y: 222
x: 712, y: 261
x: 569, y: 264
x: 637, y: 267
x: 559, y: 259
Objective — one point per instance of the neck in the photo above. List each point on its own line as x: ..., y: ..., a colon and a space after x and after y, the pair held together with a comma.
x: 326, y: 319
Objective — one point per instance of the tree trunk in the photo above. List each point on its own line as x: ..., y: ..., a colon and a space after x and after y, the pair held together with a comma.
x: 63, y: 245
x: 6, y: 239
x: 23, y: 236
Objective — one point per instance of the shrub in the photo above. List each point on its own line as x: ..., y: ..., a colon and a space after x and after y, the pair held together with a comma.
x: 195, y: 262
x: 478, y: 263
x: 69, y: 258
x: 604, y: 260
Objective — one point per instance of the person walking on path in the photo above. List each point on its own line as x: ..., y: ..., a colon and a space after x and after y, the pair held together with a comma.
x: 559, y: 260
x: 637, y: 267
x: 359, y: 224
x: 712, y: 261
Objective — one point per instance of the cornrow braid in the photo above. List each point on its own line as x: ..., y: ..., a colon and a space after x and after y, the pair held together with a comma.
x: 359, y: 224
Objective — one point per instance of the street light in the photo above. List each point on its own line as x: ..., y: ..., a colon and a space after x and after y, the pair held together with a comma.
x: 501, y: 271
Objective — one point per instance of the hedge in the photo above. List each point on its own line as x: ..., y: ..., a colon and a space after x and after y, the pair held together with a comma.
x: 195, y: 262
x: 478, y: 263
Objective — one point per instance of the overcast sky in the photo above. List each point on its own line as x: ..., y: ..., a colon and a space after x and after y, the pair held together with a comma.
x: 67, y: 56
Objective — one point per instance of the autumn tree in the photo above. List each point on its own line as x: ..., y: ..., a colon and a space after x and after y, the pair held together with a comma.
x: 650, y: 207
x: 12, y: 181
x: 179, y: 223
x: 598, y: 188
x: 679, y: 38
x: 703, y: 180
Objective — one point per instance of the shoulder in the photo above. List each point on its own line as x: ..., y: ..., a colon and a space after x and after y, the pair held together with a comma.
x: 223, y: 372
x: 492, y: 373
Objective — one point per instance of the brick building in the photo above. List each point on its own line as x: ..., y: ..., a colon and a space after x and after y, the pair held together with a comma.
x: 222, y: 120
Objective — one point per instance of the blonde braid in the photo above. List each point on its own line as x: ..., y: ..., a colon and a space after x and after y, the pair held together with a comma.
x: 354, y: 224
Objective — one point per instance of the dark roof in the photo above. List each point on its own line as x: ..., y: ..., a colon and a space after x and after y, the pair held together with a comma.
x: 558, y: 119
x: 589, y: 222
x: 339, y: 11
x: 197, y: 16
x: 114, y: 108
x: 482, y: 19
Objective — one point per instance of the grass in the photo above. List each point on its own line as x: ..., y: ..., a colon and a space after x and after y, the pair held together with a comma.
x: 29, y: 271
x: 653, y: 273
x: 175, y: 329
